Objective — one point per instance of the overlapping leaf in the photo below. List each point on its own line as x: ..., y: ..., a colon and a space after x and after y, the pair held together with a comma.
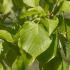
x: 1, y: 46
x: 7, y: 58
x: 31, y: 3
x: 55, y: 64
x: 23, y: 61
x: 50, y: 24
x: 33, y: 39
x: 6, y: 36
x: 66, y: 7
x: 7, y: 6
x: 33, y: 11
x: 18, y: 4
x: 37, y: 37
x: 49, y: 54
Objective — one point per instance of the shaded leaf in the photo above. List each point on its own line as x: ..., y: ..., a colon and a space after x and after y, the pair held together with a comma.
x: 1, y: 67
x: 54, y: 64
x: 9, y: 54
x: 23, y: 61
x: 18, y: 4
x: 50, y: 24
x: 49, y: 54
x: 1, y: 46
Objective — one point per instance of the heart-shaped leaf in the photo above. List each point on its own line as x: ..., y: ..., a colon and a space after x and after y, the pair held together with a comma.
x: 33, y: 38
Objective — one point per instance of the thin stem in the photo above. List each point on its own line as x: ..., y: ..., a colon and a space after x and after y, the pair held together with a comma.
x: 66, y: 31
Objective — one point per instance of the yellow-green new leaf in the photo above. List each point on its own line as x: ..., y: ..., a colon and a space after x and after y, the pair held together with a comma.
x: 33, y: 11
x: 33, y: 39
x: 66, y: 7
x: 52, y: 24
x: 1, y: 46
x: 7, y: 6
x: 31, y: 3
x: 6, y: 36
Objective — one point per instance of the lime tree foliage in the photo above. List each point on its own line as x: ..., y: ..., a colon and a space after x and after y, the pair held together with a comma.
x: 34, y: 30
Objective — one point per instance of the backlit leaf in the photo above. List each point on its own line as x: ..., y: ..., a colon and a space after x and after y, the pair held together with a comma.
x: 50, y: 24
x: 33, y: 38
x: 6, y: 36
x: 66, y: 7
x: 7, y: 6
x: 31, y: 3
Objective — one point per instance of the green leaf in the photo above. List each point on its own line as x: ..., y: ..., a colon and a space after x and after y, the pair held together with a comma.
x: 66, y: 7
x: 44, y: 22
x: 1, y: 2
x: 1, y: 67
x: 65, y: 50
x: 61, y: 25
x: 44, y: 5
x: 67, y: 22
x: 50, y: 53
x: 23, y: 61
x: 6, y: 36
x: 7, y: 6
x: 50, y: 24
x: 1, y: 46
x: 54, y: 64
x: 33, y: 38
x: 31, y: 3
x: 7, y: 58
x: 37, y: 2
x: 18, y: 4
x: 33, y: 11
x: 65, y: 65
